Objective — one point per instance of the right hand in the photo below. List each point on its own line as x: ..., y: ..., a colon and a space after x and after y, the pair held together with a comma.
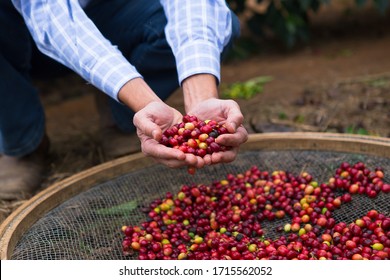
x: 228, y: 113
x: 150, y: 122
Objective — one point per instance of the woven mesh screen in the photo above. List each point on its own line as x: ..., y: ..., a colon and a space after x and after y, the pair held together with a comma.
x: 88, y: 226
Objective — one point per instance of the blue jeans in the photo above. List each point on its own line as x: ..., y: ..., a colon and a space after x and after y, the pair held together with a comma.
x: 138, y: 31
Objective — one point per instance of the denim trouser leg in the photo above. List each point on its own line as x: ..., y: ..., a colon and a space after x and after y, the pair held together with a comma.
x: 138, y: 31
x: 22, y: 121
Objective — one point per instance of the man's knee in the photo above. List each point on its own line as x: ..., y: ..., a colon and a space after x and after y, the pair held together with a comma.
x: 236, y: 27
x: 236, y: 30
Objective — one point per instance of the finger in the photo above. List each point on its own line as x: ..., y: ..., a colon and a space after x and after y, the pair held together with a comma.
x: 224, y: 157
x: 169, y: 156
x: 190, y: 160
x: 200, y: 162
x: 193, y: 160
x: 207, y: 160
x: 153, y: 149
x: 147, y: 127
x: 234, y: 117
x: 235, y: 139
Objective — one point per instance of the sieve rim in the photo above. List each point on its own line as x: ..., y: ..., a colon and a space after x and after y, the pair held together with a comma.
x: 12, y: 229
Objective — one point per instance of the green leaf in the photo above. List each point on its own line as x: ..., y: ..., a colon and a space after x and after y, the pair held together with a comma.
x: 299, y: 119
x: 282, y: 116
x: 245, y: 90
x: 121, y: 209
x: 350, y: 130
x: 362, y: 131
x: 353, y: 130
x: 378, y: 83
x: 262, y: 79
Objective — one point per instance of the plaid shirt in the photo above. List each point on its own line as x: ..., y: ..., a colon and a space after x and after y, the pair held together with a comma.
x: 197, y: 31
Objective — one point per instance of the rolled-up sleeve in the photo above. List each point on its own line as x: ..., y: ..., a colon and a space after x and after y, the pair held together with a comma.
x: 197, y: 32
x: 62, y: 30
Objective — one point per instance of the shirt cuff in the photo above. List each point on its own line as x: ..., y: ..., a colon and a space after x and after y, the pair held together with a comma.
x: 198, y: 57
x: 110, y: 73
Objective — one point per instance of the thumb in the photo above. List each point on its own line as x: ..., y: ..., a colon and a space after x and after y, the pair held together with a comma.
x: 234, y: 120
x: 156, y: 133
x: 148, y: 127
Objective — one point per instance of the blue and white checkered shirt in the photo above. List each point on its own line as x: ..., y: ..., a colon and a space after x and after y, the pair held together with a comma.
x: 197, y: 31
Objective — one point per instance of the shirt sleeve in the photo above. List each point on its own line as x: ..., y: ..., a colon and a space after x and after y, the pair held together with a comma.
x: 197, y: 32
x: 62, y: 30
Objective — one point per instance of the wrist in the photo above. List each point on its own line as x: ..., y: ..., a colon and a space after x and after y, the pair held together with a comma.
x: 136, y: 94
x: 198, y: 88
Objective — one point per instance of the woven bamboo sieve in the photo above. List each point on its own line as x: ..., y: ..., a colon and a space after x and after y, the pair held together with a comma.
x: 80, y: 217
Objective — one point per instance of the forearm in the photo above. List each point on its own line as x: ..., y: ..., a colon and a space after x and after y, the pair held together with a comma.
x: 136, y: 94
x: 198, y: 88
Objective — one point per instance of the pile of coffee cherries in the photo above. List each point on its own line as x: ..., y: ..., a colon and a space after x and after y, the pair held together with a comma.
x: 224, y: 220
x: 194, y: 136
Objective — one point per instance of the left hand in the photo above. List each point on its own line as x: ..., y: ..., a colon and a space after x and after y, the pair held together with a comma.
x: 228, y: 113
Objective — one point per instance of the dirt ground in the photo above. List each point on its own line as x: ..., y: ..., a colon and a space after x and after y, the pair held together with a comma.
x: 338, y: 82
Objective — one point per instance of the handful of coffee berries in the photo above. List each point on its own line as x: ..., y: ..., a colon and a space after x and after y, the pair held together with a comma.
x: 194, y: 136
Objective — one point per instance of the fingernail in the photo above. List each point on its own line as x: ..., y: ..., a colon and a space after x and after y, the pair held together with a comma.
x: 234, y: 126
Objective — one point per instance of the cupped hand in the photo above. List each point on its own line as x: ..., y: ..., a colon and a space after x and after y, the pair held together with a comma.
x: 228, y: 113
x: 150, y: 122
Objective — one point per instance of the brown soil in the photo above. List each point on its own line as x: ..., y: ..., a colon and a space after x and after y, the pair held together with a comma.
x: 338, y: 82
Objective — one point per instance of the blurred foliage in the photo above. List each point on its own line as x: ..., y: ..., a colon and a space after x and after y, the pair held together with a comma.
x: 287, y: 19
x: 381, y: 82
x: 121, y: 209
x: 246, y: 89
x: 356, y: 130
